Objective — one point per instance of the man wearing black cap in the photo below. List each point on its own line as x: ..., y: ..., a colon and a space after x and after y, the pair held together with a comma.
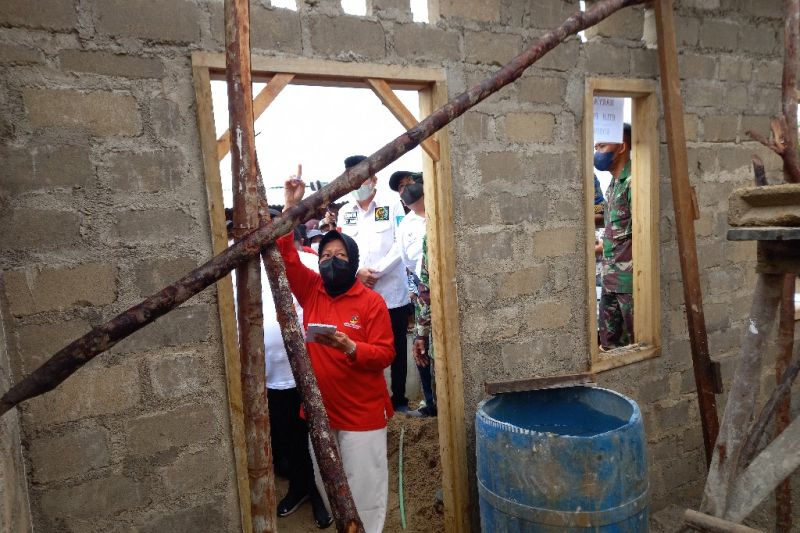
x: 371, y: 219
x: 411, y: 235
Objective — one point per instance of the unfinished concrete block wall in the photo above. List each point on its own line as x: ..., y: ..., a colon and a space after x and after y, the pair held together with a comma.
x: 104, y: 202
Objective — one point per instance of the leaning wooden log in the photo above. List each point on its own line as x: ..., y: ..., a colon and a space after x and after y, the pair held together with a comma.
x: 712, y: 524
x: 250, y: 311
x: 67, y: 360
x: 783, y: 494
x: 322, y: 439
x: 743, y: 394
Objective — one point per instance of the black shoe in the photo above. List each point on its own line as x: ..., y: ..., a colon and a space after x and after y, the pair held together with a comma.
x: 290, y: 503
x: 422, y: 412
x: 321, y: 516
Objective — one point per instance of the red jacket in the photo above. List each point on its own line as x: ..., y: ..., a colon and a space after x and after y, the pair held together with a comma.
x: 354, y: 394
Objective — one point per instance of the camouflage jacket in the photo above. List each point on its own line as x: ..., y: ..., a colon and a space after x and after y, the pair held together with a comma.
x: 599, y: 201
x: 618, y: 235
x: 423, y: 304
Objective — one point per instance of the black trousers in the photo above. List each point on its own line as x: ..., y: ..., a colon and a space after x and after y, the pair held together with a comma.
x: 399, y: 318
x: 289, y: 436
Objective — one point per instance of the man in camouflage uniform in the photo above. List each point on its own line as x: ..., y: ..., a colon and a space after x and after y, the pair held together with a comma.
x: 616, y: 298
x: 423, y: 343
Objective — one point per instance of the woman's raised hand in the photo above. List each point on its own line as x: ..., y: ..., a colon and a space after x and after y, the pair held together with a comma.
x: 293, y: 190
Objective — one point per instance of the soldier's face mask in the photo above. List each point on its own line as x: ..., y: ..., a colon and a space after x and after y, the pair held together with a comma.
x: 603, y: 160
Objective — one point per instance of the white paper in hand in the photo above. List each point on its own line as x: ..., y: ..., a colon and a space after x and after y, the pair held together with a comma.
x: 316, y: 329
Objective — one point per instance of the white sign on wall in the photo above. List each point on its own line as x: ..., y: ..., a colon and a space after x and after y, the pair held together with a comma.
x: 608, y: 118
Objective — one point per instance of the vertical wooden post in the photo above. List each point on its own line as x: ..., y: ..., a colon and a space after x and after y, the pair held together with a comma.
x: 248, y: 275
x: 684, y: 221
x: 783, y: 494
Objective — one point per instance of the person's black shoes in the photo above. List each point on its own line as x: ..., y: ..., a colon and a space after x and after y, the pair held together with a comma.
x: 290, y: 503
x: 422, y: 412
x: 322, y: 518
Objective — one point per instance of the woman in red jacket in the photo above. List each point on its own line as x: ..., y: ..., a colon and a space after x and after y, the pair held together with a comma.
x: 349, y: 363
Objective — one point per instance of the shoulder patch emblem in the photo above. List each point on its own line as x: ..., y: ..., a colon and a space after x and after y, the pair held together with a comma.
x: 382, y: 213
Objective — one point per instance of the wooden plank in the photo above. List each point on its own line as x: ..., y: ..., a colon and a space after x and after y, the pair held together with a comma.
x: 766, y: 233
x: 534, y: 383
x: 347, y: 74
x: 684, y: 220
x: 588, y: 209
x: 712, y: 524
x: 626, y: 355
x: 227, y: 318
x: 444, y: 310
x: 260, y: 104
x: 401, y: 113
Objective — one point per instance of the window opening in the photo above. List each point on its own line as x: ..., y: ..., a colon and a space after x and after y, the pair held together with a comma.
x: 285, y: 4
x: 355, y: 7
x: 419, y: 10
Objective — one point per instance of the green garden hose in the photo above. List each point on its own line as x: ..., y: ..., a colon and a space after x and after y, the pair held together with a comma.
x: 400, y: 481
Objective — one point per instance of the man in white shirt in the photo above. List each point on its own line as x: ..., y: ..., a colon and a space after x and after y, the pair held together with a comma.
x: 371, y: 219
x: 410, y: 235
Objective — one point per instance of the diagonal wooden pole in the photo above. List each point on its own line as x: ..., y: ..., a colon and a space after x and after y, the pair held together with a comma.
x: 248, y: 274
x: 684, y: 221
x: 66, y: 361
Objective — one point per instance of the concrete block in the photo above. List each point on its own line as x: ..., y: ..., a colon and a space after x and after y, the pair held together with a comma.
x: 763, y: 100
x: 175, y: 376
x: 476, y: 126
x: 760, y: 39
x: 547, y: 315
x: 146, y: 171
x: 491, y: 48
x: 194, y: 472
x: 768, y: 71
x: 166, y: 118
x: 672, y: 416
x: 95, y: 498
x: 757, y: 123
x: 36, y: 343
x: 16, y: 54
x: 47, y: 14
x: 111, y: 64
x: 44, y: 167
x: 719, y: 34
x: 69, y: 455
x: 483, y: 247
x: 160, y: 225
x: 182, y: 327
x: 94, y: 391
x: 38, y: 228
x: 562, y: 58
x: 206, y: 517
x: 720, y: 128
x: 776, y: 205
x: 625, y: 23
x: 516, y: 209
x: 555, y: 242
x: 689, y: 127
x: 521, y: 282
x: 343, y: 35
x: 733, y: 159
x: 644, y: 63
x: 399, y: 10
x: 501, y: 323
x: 272, y: 29
x: 155, y: 274
x: 548, y: 14
x: 541, y: 90
x: 698, y: 93
x: 763, y: 8
x: 176, y: 21
x: 178, y: 427
x: 735, y: 68
x: 518, y: 356
x: 604, y: 58
x: 652, y: 390
x: 500, y: 165
x: 31, y: 291
x: 529, y: 127
x: 423, y: 41
x: 547, y: 167
x: 687, y: 31
x: 96, y: 113
x: 697, y: 66
x: 480, y: 10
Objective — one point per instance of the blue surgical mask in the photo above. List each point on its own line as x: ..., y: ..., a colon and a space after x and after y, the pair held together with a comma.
x: 363, y: 192
x: 603, y: 160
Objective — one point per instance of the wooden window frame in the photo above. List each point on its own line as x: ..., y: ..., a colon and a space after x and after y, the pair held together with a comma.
x: 431, y: 84
x: 645, y: 189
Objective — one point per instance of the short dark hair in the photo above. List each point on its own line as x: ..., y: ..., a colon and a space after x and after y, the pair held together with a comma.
x: 353, y: 160
x: 627, y: 137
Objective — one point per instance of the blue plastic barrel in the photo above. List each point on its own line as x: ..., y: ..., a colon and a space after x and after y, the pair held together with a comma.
x: 563, y: 459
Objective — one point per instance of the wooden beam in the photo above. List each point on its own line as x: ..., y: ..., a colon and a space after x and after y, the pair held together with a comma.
x: 684, y: 221
x: 528, y: 384
x: 224, y: 289
x: 712, y: 524
x: 401, y: 113
x: 260, y: 104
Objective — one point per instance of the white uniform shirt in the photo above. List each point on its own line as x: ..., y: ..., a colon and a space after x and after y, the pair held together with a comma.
x: 374, y: 231
x: 410, y: 233
x: 279, y: 372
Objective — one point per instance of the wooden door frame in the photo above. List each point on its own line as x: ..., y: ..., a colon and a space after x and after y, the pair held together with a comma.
x: 431, y: 84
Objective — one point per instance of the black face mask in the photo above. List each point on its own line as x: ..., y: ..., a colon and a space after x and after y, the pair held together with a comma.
x: 411, y: 193
x: 337, y: 276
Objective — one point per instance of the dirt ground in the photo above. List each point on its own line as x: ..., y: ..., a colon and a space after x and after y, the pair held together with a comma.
x: 422, y: 477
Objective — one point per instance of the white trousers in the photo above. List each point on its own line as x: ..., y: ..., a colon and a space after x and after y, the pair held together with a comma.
x: 366, y: 467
